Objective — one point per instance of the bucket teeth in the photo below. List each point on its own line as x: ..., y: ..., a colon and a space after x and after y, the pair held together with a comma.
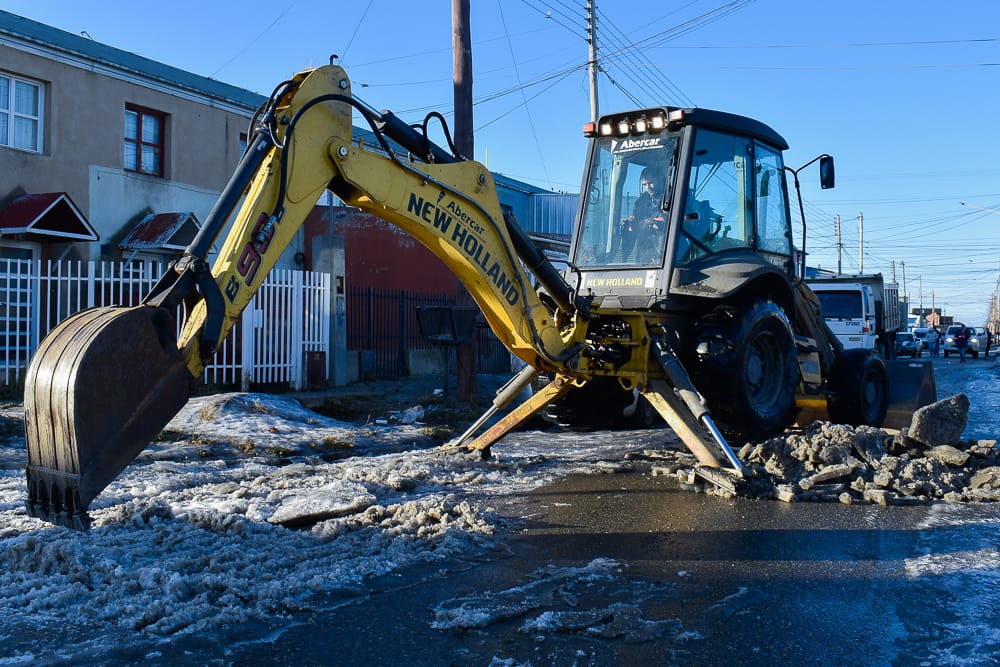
x: 54, y: 496
x: 99, y: 389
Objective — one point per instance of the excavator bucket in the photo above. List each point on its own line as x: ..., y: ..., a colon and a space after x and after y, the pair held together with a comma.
x: 911, y: 386
x: 101, y: 386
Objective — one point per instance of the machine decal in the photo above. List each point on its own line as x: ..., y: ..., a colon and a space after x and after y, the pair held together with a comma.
x: 629, y: 281
x: 463, y: 235
x: 630, y: 144
x: 250, y: 258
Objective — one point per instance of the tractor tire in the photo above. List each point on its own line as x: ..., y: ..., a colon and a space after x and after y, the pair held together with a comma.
x: 746, y: 366
x: 860, y: 382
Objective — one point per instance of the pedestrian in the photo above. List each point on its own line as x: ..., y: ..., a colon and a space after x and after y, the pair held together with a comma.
x: 933, y: 338
x: 962, y: 341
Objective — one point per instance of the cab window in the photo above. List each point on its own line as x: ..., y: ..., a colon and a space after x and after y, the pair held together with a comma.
x: 773, y: 231
x: 717, y: 211
x: 624, y: 218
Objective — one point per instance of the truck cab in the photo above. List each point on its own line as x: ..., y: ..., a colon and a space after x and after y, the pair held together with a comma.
x: 849, y: 310
x: 861, y: 309
x: 680, y: 203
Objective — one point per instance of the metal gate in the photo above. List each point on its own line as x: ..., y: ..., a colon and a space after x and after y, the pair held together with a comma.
x: 288, y: 319
x: 382, y: 325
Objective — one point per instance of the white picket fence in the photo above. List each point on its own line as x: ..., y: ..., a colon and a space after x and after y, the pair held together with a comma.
x: 288, y: 320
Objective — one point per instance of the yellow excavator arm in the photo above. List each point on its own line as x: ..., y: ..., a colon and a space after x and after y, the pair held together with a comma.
x: 451, y: 208
x: 106, y: 381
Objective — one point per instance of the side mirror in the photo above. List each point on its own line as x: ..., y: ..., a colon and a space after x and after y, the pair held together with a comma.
x: 826, y: 172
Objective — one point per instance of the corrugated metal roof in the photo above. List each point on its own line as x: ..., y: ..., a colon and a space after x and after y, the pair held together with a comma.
x: 54, y: 38
x: 514, y: 184
x: 49, y: 214
x: 172, y: 231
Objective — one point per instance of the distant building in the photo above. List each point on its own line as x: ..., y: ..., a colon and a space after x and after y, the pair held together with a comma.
x: 112, y: 140
x: 110, y: 155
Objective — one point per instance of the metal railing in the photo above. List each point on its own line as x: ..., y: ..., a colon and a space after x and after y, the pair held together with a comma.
x: 288, y: 318
x: 382, y: 325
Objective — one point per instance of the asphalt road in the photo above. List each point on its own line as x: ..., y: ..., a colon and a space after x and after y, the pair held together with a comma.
x: 626, y: 568
x: 629, y: 569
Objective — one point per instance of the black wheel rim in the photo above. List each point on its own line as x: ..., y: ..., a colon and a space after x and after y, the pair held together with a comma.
x: 763, y: 371
x: 872, y: 398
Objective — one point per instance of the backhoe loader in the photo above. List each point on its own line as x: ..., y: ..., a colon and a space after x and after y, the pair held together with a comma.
x: 682, y: 287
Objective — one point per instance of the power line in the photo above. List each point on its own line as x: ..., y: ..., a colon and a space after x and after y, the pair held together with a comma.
x: 667, y: 90
x: 831, y: 45
x: 252, y: 41
x: 356, y: 29
x: 524, y: 101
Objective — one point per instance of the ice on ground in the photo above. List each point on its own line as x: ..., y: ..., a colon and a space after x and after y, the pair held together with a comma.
x: 251, y: 507
x: 555, y: 602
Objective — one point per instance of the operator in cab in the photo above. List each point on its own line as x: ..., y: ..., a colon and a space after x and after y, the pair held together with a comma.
x: 641, y: 234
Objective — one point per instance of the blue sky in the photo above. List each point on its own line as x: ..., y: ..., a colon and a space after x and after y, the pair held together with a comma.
x: 902, y: 93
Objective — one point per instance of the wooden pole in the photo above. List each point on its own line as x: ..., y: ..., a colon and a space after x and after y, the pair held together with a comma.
x: 461, y: 46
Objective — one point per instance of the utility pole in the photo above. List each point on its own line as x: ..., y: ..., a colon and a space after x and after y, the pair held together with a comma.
x: 461, y: 47
x: 902, y: 268
x: 839, y: 245
x: 906, y: 296
x: 861, y: 243
x: 920, y: 282
x: 592, y: 66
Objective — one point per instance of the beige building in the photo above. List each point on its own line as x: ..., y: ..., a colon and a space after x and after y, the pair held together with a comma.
x: 105, y: 154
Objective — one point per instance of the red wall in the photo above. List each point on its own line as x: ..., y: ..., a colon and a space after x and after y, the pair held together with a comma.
x: 378, y: 254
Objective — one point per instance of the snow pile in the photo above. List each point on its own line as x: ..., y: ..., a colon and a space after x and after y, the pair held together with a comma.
x: 249, y: 506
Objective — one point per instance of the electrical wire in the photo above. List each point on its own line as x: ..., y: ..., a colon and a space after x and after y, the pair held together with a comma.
x: 356, y: 29
x: 524, y: 100
x: 254, y: 40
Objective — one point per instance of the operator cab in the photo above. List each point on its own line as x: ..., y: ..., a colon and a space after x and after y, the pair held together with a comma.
x: 680, y: 201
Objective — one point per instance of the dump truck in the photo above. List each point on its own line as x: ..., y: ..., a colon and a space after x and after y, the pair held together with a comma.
x: 862, y: 309
x: 682, y: 286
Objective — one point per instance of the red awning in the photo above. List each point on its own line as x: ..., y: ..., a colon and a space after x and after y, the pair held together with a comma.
x: 162, y: 231
x: 47, y: 216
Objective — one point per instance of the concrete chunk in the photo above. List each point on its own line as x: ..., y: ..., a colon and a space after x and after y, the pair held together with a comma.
x: 987, y: 477
x: 948, y: 455
x: 825, y: 474
x: 785, y: 493
x: 877, y: 496
x: 940, y: 423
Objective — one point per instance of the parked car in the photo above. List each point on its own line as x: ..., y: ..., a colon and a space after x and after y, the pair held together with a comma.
x: 973, y: 345
x: 907, y: 345
x: 982, y: 338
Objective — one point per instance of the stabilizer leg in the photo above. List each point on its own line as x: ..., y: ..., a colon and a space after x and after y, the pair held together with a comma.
x: 553, y: 391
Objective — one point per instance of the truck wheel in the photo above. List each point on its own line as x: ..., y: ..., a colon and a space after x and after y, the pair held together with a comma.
x: 860, y: 383
x: 747, y: 369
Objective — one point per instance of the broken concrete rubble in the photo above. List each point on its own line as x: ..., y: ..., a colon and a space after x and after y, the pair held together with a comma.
x: 929, y: 462
x: 940, y: 423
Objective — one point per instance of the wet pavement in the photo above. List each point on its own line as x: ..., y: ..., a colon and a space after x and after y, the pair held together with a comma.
x: 626, y: 568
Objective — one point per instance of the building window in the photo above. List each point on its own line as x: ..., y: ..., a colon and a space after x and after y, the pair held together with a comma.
x: 144, y: 141
x: 20, y: 113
